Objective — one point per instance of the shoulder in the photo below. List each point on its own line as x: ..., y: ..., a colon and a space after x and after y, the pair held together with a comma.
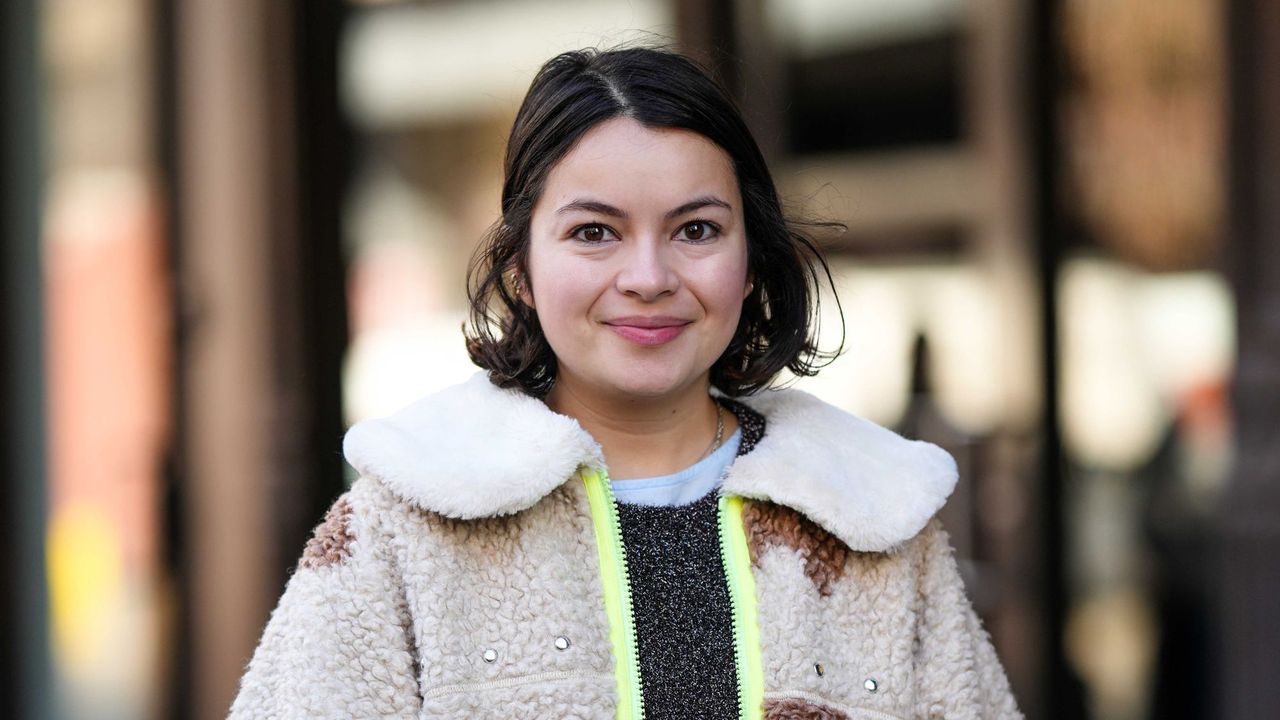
x: 470, y: 451
x: 865, y: 484
x: 475, y: 450
x: 354, y: 525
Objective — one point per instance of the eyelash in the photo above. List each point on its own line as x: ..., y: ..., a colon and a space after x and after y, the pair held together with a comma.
x: 576, y: 233
x: 714, y: 229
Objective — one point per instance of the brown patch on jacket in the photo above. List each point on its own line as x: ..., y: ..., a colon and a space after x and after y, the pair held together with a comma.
x: 768, y: 524
x: 797, y: 709
x: 330, y: 543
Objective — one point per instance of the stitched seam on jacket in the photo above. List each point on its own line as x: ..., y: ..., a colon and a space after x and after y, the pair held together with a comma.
x: 503, y: 683
x: 853, y: 712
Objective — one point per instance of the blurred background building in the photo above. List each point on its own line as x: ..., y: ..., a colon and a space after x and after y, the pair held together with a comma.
x: 233, y: 227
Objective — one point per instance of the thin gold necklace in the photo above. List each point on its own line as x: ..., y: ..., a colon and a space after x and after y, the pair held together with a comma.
x: 719, y: 438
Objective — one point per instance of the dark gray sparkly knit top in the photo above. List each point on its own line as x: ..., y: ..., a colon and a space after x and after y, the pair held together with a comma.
x: 680, y: 600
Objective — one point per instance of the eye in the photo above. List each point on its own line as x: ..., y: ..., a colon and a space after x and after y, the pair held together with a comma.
x: 698, y: 231
x: 592, y: 233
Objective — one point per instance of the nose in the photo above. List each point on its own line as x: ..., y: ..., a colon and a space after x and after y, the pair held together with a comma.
x: 647, y: 272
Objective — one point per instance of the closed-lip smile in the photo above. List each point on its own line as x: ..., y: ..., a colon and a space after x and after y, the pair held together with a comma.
x: 648, y: 329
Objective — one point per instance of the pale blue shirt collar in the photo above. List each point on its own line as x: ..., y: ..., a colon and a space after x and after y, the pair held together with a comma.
x: 684, y: 486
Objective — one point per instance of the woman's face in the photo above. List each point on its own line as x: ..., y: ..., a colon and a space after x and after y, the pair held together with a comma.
x: 638, y: 259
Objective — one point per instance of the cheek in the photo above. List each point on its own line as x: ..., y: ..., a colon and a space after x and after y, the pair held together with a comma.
x: 722, y: 292
x: 564, y: 289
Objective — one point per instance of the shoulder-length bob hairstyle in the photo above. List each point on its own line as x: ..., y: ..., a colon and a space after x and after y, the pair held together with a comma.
x: 572, y: 93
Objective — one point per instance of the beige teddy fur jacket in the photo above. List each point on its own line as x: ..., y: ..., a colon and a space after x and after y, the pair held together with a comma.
x: 464, y: 575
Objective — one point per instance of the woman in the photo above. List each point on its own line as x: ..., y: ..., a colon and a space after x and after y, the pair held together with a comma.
x: 612, y: 521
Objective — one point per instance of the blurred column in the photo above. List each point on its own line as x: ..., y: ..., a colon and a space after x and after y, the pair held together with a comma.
x: 223, y: 251
x: 1061, y: 696
x: 1250, y: 553
x: 733, y: 39
x: 705, y: 30
x: 25, y: 670
x: 258, y: 165
x: 999, y: 103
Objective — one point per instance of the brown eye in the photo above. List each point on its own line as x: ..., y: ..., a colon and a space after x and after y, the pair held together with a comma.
x: 698, y: 231
x: 592, y: 234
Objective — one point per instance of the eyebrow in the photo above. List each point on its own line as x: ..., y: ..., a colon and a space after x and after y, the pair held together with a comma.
x: 590, y: 205
x: 698, y: 204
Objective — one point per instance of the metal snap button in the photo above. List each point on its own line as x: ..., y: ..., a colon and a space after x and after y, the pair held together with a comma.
x: 490, y: 655
x: 562, y: 642
x: 871, y: 685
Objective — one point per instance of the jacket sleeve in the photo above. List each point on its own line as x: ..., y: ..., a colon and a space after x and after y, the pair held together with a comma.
x: 338, y: 644
x: 960, y: 676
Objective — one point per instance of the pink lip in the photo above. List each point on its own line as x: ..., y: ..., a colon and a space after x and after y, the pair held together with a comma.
x: 648, y: 330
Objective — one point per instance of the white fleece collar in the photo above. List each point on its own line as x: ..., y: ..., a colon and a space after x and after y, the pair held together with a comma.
x: 475, y: 450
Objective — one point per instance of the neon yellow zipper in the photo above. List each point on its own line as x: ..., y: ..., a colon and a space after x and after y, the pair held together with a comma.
x: 620, y: 611
x: 617, y: 593
x: 742, y: 596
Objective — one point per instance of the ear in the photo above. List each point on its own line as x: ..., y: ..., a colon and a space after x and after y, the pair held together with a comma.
x: 520, y: 288
x: 751, y: 285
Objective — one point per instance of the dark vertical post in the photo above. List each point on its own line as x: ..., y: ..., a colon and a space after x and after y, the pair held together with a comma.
x: 760, y: 78
x: 311, y: 145
x: 178, y: 653
x: 1062, y: 693
x: 706, y: 30
x: 1250, y: 513
x: 25, y: 663
x: 316, y: 304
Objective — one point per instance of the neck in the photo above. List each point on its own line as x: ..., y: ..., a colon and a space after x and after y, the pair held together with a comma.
x: 641, y: 436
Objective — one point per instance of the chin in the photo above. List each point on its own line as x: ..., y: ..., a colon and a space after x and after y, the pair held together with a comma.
x: 651, y: 380
x: 641, y: 389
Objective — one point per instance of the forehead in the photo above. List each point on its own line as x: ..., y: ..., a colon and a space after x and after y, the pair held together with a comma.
x: 623, y: 162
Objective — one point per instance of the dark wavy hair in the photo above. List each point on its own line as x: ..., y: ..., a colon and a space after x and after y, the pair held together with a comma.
x: 572, y: 93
